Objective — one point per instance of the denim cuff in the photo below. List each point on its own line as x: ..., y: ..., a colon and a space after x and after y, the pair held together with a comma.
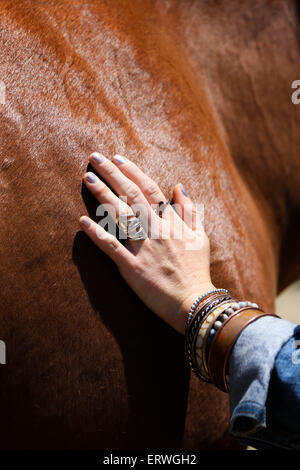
x: 250, y: 366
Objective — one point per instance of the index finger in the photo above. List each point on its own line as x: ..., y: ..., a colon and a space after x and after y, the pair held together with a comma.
x: 149, y: 188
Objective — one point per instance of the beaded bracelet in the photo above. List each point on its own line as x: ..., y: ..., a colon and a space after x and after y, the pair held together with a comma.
x: 212, y: 320
x: 204, y: 327
x: 222, y: 318
x: 193, y: 328
x: 199, y: 299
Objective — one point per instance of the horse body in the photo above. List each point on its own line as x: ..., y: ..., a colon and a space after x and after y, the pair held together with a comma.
x: 186, y: 90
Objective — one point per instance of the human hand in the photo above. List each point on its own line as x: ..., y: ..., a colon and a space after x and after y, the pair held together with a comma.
x: 169, y: 269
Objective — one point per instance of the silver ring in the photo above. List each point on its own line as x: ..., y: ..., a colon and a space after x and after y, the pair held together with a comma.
x: 160, y: 208
x: 132, y: 227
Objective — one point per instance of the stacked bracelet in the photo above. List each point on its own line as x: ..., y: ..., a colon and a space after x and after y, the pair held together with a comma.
x: 203, y: 330
x: 193, y: 328
x: 199, y: 299
x: 214, y: 323
x: 206, y: 324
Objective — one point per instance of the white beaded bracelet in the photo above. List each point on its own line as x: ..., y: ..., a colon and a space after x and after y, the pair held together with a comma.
x: 228, y: 311
x: 198, y: 300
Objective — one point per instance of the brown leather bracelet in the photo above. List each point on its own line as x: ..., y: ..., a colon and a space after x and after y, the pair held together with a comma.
x: 224, y: 341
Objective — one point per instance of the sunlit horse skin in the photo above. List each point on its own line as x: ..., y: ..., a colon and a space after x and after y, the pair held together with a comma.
x: 193, y: 91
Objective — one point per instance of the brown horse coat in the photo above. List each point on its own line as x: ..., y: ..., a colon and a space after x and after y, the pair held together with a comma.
x: 193, y: 91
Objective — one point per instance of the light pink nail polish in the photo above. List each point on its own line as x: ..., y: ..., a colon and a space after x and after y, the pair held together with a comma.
x: 118, y: 159
x: 85, y: 221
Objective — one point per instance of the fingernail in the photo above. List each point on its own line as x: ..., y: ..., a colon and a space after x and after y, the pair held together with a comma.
x: 91, y: 178
x: 97, y: 158
x: 118, y: 159
x: 183, y: 190
x: 85, y: 221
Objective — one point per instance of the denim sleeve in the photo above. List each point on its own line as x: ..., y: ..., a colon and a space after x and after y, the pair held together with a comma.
x: 264, y: 385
